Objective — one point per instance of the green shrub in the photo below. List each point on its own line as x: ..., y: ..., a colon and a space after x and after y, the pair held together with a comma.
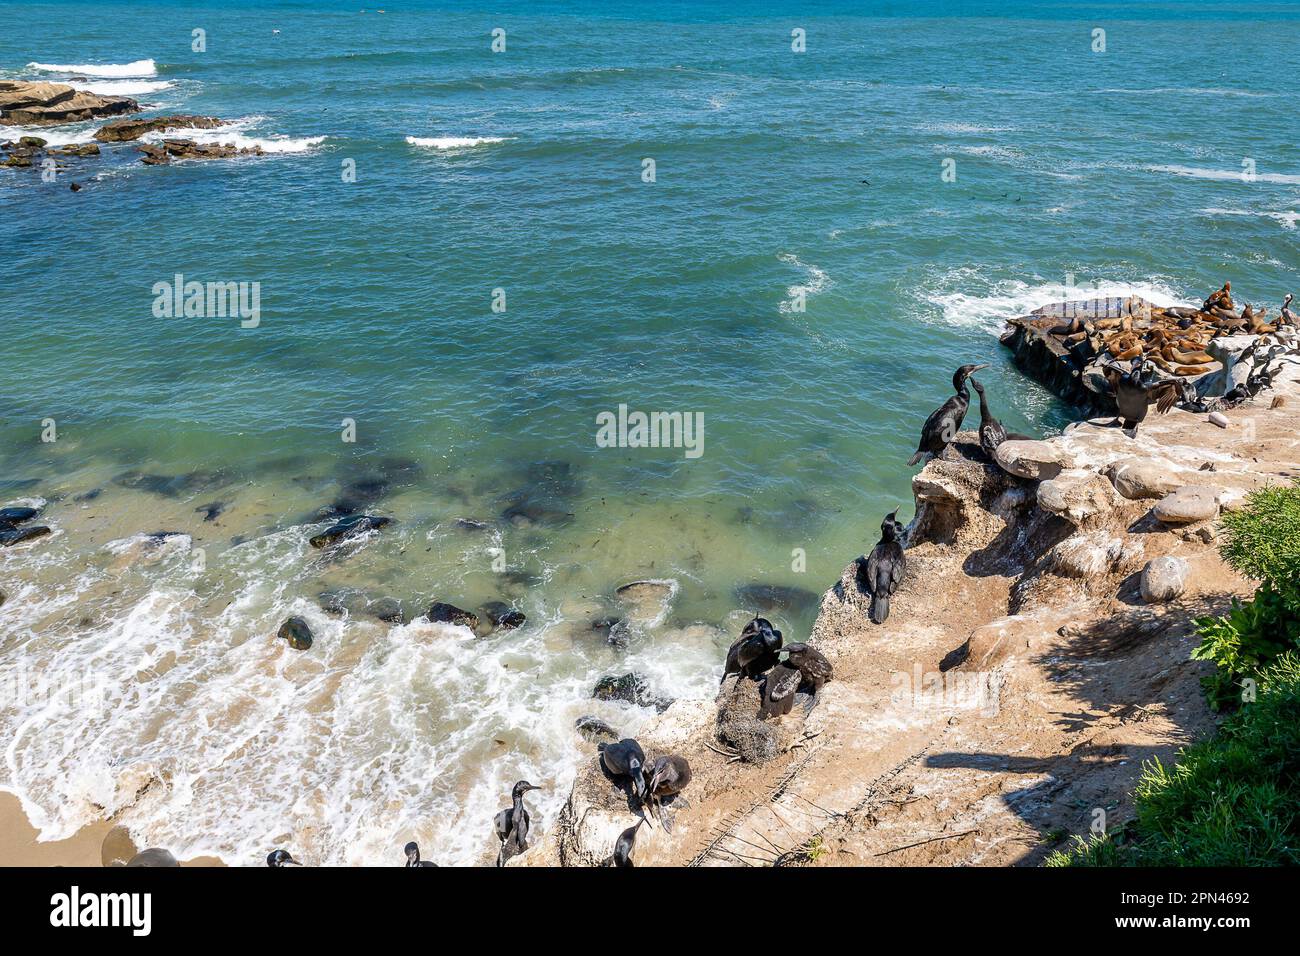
x: 1261, y: 541
x: 1232, y: 800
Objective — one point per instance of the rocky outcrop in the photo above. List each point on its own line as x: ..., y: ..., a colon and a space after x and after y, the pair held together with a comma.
x: 169, y: 149
x: 125, y: 131
x: 49, y: 104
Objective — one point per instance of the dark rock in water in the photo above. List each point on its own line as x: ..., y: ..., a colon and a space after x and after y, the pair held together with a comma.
x: 9, y: 535
x: 347, y: 528
x: 442, y: 613
x: 153, y: 857
x: 169, y: 486
x: 503, y: 616
x: 17, y: 515
x: 388, y: 610
x: 776, y: 597
x: 620, y: 634
x: 90, y: 495
x: 33, y: 141
x: 596, y: 730
x: 630, y: 688
x: 75, y: 187
x: 125, y: 131
x: 161, y: 155
x: 211, y: 510
x: 527, y: 513
x: 469, y: 524
x: 296, y: 632
x: 159, y: 537
x: 3, y: 597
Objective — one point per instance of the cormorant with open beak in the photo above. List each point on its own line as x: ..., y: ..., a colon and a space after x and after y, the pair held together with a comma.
x: 281, y: 858
x: 626, y: 759
x: 754, y: 651
x: 813, y: 665
x: 884, y: 568
x: 412, y: 851
x: 945, y: 421
x: 1134, y: 393
x: 512, y: 824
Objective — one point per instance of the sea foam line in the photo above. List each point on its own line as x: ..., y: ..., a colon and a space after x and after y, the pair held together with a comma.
x: 135, y: 68
x: 453, y: 142
x: 1196, y: 172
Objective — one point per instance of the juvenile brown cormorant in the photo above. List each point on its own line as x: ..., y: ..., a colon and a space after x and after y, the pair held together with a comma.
x: 883, y: 570
x: 625, y: 759
x: 281, y: 858
x: 779, y: 689
x: 813, y: 665
x: 667, y: 777
x: 1134, y: 393
x: 512, y: 824
x: 992, y: 433
x: 754, y: 651
x: 622, y: 855
x: 945, y: 421
x: 412, y: 851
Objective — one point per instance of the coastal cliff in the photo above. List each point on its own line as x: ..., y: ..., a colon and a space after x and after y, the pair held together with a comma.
x: 1037, y: 654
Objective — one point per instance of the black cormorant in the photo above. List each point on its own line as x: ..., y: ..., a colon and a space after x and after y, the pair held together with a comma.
x: 626, y: 759
x: 779, y: 689
x: 754, y: 651
x: 945, y: 421
x: 512, y: 824
x: 412, y: 851
x: 812, y: 663
x: 883, y: 570
x: 622, y: 855
x: 281, y: 858
x: 1134, y: 393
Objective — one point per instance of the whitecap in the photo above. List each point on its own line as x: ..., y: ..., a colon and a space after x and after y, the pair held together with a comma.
x: 1288, y: 219
x: 818, y: 281
x: 453, y: 142
x: 236, y: 133
x: 122, y: 87
x: 135, y: 68
x: 1196, y: 172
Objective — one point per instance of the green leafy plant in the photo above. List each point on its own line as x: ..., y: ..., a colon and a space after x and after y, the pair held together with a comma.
x: 1261, y: 541
x: 1232, y: 800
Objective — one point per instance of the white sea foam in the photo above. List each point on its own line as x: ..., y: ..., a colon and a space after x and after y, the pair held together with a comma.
x: 818, y: 281
x: 237, y: 133
x: 1196, y: 172
x: 1187, y: 91
x: 136, y: 68
x: 453, y: 142
x: 122, y: 87
x: 965, y: 298
x: 1288, y: 219
x: 55, y: 135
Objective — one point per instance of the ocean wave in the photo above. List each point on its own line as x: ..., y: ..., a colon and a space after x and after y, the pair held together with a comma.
x: 236, y: 133
x: 453, y: 142
x: 1196, y: 172
x: 1188, y: 91
x: 136, y: 68
x: 123, y: 87
x: 818, y: 281
x: 1288, y: 219
x: 965, y: 298
x: 55, y: 135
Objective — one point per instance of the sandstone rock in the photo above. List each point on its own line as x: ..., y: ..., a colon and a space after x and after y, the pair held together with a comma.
x: 297, y: 632
x: 47, y: 104
x: 1164, y: 579
x: 188, y: 149
x: 1086, y: 555
x: 1077, y: 494
x: 1030, y: 459
x: 1220, y: 419
x: 1138, y: 478
x: 442, y: 613
x: 124, y: 131
x: 1188, y: 504
x: 646, y: 603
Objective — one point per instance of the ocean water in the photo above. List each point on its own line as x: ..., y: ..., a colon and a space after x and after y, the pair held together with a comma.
x: 141, y: 679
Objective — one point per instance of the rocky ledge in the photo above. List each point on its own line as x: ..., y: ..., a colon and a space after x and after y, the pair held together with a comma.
x: 48, y: 104
x: 128, y: 130
x: 1036, y: 654
x: 169, y: 149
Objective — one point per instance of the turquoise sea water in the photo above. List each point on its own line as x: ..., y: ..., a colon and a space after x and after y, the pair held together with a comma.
x: 778, y: 175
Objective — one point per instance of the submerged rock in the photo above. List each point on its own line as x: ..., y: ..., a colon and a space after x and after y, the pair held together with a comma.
x: 630, y: 688
x: 595, y: 729
x: 12, y: 516
x: 161, y: 155
x: 646, y: 603
x: 503, y: 616
x: 9, y: 535
x: 776, y: 597
x: 297, y: 632
x: 1164, y: 579
x: 348, y: 528
x: 387, y: 609
x: 442, y: 613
